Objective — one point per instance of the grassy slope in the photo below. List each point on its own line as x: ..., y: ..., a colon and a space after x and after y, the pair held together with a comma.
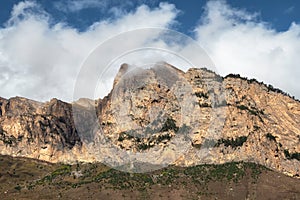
x: 22, y: 178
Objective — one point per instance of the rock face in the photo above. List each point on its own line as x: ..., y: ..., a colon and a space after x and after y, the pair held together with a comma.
x: 160, y: 115
x: 39, y: 130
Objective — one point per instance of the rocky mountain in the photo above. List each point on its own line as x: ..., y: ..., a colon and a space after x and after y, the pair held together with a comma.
x: 38, y: 130
x: 160, y: 116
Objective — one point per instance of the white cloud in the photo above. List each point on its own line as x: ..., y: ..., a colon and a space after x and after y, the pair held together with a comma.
x: 239, y: 43
x: 115, y: 6
x: 77, y: 5
x: 289, y: 10
x: 41, y: 61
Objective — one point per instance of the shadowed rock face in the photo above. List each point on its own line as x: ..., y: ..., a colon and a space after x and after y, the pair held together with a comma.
x: 36, y: 129
x: 197, y: 116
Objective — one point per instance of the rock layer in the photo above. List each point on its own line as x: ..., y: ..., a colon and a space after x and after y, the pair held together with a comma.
x: 163, y: 116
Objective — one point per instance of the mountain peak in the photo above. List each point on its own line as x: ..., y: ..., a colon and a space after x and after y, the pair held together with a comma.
x: 123, y: 70
x: 160, y: 115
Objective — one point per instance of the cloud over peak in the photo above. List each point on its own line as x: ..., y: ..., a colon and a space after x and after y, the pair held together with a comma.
x: 239, y: 43
x: 40, y: 59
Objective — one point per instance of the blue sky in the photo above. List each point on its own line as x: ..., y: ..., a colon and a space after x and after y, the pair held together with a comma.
x: 279, y: 14
x: 44, y: 43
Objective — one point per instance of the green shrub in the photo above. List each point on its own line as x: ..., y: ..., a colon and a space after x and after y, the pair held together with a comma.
x: 287, y: 154
x: 205, y: 105
x: 239, y: 141
x: 242, y: 107
x: 63, y: 170
x: 144, y: 146
x: 201, y: 94
x: 271, y: 137
x: 18, y: 187
x: 8, y: 140
x: 124, y: 136
x: 252, y: 110
x: 295, y: 156
x: 290, y: 156
x: 163, y: 137
x: 170, y: 124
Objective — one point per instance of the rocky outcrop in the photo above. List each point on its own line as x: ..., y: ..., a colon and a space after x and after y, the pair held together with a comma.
x: 261, y: 125
x: 39, y: 130
x: 160, y: 115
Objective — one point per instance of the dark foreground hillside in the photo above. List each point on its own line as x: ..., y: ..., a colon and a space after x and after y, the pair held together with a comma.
x: 22, y: 178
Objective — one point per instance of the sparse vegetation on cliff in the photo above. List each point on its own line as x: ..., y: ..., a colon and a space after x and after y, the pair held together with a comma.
x: 7, y: 140
x: 170, y: 124
x: 201, y: 95
x: 269, y: 86
x: 156, y: 137
x: 271, y: 137
x: 232, y: 142
x: 290, y: 156
x: 252, y: 110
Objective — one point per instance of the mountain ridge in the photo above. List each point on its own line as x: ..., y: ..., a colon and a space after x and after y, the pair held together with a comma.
x: 251, y: 124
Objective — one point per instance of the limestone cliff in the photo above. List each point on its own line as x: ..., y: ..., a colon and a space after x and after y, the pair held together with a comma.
x: 39, y: 130
x: 160, y: 115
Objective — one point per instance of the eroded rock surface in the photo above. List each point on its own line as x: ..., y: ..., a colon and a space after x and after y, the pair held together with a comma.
x: 161, y: 115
